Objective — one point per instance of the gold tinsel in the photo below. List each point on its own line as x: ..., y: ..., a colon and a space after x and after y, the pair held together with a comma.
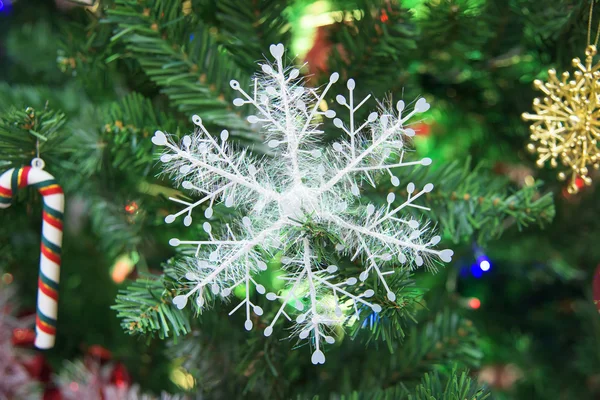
x: 566, y: 121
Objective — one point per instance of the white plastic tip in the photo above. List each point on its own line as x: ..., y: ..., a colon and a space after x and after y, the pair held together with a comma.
x: 395, y: 181
x: 190, y: 276
x: 262, y: 265
x: 267, y: 69
x: 329, y: 339
x: 248, y: 325
x: 208, y: 213
x: 252, y: 119
x: 332, y: 269
x: 197, y: 120
x: 372, y: 117
x: 225, y: 292
x: 271, y: 296
x: 303, y: 334
x: 426, y: 161
x: 400, y: 105
x: 268, y: 331
x: 187, y: 141
x: 273, y: 143
x: 169, y: 219
x: 422, y: 105
x: 159, y: 138
x: 410, y: 188
x: 174, y: 242
x: 376, y: 308
x: 351, y: 281
x: 446, y: 255
x: 277, y: 50
x: 351, y: 84
x: 409, y: 132
x: 330, y: 113
x: 363, y: 276
x: 224, y: 135
x: 207, y: 228
x: 370, y: 209
x: 234, y: 84
x: 258, y: 310
x: 340, y: 99
x: 419, y: 261
x: 180, y: 301
x: 187, y: 221
x: 435, y: 240
x: 428, y: 188
x: 369, y: 293
x: 186, y: 184
x: 260, y: 289
x: 391, y: 197
x: 294, y: 73
x: 318, y: 357
x: 391, y: 296
x: 334, y: 77
x: 238, y: 102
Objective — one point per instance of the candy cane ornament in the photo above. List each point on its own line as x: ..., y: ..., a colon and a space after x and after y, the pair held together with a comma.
x: 52, y: 232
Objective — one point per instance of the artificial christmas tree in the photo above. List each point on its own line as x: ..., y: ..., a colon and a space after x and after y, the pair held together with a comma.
x: 104, y: 77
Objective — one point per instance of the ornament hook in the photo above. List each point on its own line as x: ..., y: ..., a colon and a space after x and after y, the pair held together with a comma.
x: 37, y: 162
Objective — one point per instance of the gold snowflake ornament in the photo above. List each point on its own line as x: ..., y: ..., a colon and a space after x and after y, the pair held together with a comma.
x: 566, y: 121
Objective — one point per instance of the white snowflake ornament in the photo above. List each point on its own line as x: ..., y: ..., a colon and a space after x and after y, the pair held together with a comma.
x: 303, y: 182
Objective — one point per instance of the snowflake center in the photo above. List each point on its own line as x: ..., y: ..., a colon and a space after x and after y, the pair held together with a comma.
x: 298, y: 201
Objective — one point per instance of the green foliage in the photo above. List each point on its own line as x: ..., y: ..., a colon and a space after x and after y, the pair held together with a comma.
x: 456, y: 385
x: 247, y: 28
x: 443, y: 339
x: 389, y: 326
x: 374, y: 46
x: 473, y: 203
x: 146, y: 307
x: 24, y: 131
x: 178, y: 53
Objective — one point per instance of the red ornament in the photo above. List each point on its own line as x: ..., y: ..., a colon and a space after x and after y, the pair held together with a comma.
x: 474, y: 303
x: 120, y: 376
x: 52, y: 394
x: 384, y: 17
x: 422, y: 129
x: 100, y: 353
x: 23, y: 337
x: 596, y: 288
x: 38, y: 368
x: 131, y: 208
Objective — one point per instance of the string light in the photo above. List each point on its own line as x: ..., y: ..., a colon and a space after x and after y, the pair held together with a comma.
x: 474, y: 303
x: 485, y: 265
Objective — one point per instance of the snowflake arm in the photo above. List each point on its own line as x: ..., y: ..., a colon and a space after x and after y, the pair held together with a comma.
x: 318, y: 319
x: 207, y: 167
x: 282, y: 104
x: 225, y: 267
x: 386, y: 136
